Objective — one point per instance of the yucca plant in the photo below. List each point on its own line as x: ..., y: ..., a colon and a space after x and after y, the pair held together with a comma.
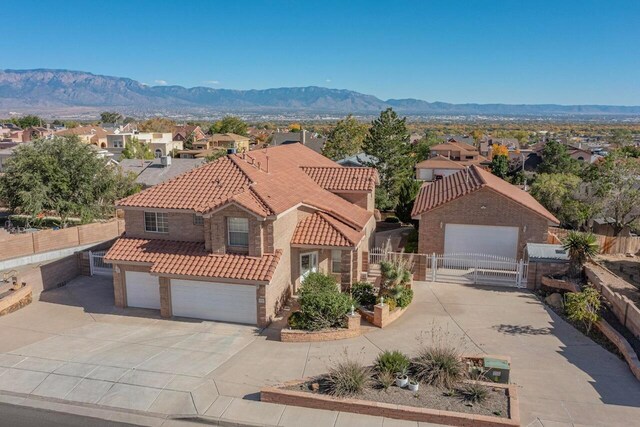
x: 581, y: 247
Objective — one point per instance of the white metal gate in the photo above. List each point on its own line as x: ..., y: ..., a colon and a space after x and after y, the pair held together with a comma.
x: 377, y: 255
x: 478, y: 269
x: 97, y: 264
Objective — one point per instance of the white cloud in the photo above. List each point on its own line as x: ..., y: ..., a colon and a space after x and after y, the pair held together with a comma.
x: 211, y: 82
x: 161, y: 82
x: 328, y: 80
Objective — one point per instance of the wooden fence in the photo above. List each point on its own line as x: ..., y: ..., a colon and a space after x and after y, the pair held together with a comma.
x: 19, y: 245
x: 608, y: 244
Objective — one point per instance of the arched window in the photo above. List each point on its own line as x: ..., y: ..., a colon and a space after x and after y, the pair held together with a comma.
x: 158, y: 153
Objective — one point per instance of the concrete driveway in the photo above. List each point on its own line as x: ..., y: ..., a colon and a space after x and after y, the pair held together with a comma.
x: 74, y: 345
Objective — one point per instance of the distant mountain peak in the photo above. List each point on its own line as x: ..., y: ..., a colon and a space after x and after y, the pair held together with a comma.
x: 40, y: 90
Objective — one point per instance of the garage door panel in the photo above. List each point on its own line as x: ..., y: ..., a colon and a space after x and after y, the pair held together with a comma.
x: 214, y: 301
x: 143, y: 290
x: 481, y: 239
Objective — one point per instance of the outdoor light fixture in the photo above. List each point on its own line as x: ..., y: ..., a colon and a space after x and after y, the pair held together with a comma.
x: 441, y: 225
x: 483, y: 207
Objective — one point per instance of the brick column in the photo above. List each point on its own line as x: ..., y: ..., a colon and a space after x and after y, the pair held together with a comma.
x: 380, y: 314
x: 346, y: 266
x: 119, y: 296
x: 165, y: 297
x: 262, y: 306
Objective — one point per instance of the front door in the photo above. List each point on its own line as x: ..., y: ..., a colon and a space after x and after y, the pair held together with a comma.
x: 308, y: 264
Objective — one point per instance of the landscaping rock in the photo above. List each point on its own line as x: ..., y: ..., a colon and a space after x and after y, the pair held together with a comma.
x: 554, y: 300
x: 315, y: 387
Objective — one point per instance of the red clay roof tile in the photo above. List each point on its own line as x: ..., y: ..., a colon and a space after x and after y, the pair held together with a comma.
x: 457, y: 185
x: 320, y: 229
x: 192, y: 259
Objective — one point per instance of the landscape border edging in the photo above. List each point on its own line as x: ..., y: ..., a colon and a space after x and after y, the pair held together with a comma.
x: 410, y: 413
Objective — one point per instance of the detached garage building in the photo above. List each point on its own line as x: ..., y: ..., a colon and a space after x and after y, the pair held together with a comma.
x: 475, y: 212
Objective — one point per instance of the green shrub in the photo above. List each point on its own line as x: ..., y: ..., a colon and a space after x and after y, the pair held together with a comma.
x: 363, y: 293
x: 392, y: 362
x: 405, y: 298
x: 347, y: 377
x: 438, y: 365
x: 321, y: 304
x: 318, y: 282
x: 297, y: 320
x: 583, y: 307
x: 474, y: 392
x: 392, y: 219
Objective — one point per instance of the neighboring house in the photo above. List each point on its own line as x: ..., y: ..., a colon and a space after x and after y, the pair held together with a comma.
x: 160, y: 144
x: 357, y: 160
x: 228, y: 141
x: 306, y: 138
x: 581, y: 154
x: 5, y: 154
x: 36, y: 132
x: 93, y: 135
x: 184, y: 132
x: 232, y: 239
x: 475, y: 212
x: 604, y: 226
x: 10, y: 133
x: 487, y: 142
x: 461, y: 139
x: 156, y: 171
x: 448, y: 158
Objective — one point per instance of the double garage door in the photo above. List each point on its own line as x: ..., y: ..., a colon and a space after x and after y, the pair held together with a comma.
x: 481, y: 239
x: 191, y: 298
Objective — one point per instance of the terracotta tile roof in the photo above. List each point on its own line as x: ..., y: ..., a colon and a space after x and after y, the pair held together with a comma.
x: 192, y: 259
x: 338, y: 178
x: 96, y: 131
x: 320, y: 229
x: 455, y: 146
x: 439, y: 162
x: 467, y: 181
x: 267, y: 182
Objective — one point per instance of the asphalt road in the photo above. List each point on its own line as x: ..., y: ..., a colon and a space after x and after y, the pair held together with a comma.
x: 21, y: 416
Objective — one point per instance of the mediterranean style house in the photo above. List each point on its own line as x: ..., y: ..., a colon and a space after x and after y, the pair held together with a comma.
x: 474, y: 212
x: 448, y: 158
x: 232, y: 239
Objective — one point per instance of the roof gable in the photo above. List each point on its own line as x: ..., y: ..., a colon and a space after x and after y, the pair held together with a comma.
x: 459, y: 184
x: 321, y: 229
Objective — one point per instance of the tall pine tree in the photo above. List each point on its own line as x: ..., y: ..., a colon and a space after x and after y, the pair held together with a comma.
x: 388, y: 143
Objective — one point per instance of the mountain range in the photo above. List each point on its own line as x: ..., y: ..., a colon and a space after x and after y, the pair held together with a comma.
x: 45, y: 90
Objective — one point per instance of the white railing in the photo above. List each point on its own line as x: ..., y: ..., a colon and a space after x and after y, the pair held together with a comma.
x: 377, y: 255
x: 97, y: 265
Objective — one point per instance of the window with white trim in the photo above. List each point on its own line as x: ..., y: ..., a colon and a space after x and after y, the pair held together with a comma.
x: 198, y: 219
x: 336, y: 261
x: 238, y: 232
x: 156, y: 222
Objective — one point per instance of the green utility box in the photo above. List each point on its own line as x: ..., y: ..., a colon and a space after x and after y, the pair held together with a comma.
x: 497, y: 370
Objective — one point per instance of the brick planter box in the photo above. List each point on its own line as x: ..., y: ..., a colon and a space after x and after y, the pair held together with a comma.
x: 298, y: 335
x: 559, y: 284
x: 401, y: 412
x: 381, y: 316
x: 622, y: 344
x: 15, y: 300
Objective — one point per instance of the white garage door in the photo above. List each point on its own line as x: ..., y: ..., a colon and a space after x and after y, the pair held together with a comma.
x: 481, y: 239
x: 143, y: 290
x: 214, y: 301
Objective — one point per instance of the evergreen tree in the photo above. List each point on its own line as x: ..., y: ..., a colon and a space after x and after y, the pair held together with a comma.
x: 406, y: 198
x: 388, y: 143
x: 500, y: 166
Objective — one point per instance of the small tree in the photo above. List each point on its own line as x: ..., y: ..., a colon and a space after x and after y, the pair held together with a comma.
x: 136, y: 149
x: 345, y: 139
x: 581, y: 246
x: 229, y: 124
x: 500, y: 166
x: 584, y: 307
x: 406, y: 198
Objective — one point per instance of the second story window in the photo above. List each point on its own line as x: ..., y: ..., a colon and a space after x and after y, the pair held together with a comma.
x: 238, y: 232
x: 156, y: 222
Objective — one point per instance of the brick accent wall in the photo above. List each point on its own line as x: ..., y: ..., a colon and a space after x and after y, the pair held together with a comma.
x: 166, y: 310
x: 181, y: 226
x: 218, y: 230
x: 499, y: 211
x: 539, y: 269
x: 119, y: 282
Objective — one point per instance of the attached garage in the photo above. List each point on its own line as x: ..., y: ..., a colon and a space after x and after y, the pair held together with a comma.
x: 214, y: 301
x: 481, y: 239
x: 143, y: 290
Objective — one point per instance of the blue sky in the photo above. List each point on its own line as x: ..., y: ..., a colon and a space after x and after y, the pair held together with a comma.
x: 511, y: 51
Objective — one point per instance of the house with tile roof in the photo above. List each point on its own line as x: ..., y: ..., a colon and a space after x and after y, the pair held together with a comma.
x: 232, y: 239
x: 474, y: 212
x: 448, y: 158
x: 93, y: 135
